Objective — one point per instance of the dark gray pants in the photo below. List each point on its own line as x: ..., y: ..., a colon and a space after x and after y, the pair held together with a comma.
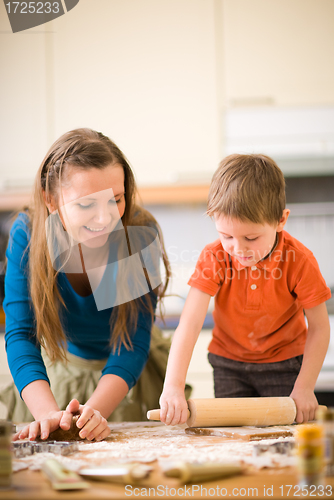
x: 236, y: 379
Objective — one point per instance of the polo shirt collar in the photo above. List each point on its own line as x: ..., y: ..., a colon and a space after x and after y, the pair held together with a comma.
x: 270, y: 262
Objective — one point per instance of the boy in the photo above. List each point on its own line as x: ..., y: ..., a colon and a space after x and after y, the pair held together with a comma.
x: 263, y: 280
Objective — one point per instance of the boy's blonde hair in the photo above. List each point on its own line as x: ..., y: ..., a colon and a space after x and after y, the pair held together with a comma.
x: 248, y: 187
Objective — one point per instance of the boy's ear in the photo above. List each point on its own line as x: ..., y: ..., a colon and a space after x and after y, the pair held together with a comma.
x: 283, y: 220
x: 49, y: 202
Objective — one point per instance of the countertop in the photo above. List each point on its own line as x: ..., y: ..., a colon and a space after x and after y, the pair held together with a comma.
x: 154, y: 444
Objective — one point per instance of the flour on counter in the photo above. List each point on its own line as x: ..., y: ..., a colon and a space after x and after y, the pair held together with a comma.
x: 130, y: 442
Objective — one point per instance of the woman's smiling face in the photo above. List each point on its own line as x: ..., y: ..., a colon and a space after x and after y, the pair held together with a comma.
x: 91, y: 203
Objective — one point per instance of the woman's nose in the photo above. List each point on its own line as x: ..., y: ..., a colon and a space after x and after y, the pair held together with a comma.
x: 103, y: 215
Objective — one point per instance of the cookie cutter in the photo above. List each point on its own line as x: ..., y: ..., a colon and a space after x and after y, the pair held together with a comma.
x: 281, y: 447
x: 27, y: 448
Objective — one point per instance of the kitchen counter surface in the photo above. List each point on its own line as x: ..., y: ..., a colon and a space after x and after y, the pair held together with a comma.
x: 155, y: 445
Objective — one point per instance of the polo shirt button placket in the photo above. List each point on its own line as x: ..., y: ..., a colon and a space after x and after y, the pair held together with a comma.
x: 254, y: 298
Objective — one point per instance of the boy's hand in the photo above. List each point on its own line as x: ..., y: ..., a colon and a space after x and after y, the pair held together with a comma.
x: 173, y: 407
x: 306, y: 404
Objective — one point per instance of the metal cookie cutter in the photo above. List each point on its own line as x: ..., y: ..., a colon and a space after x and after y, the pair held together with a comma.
x: 23, y: 449
x: 26, y: 448
x: 282, y: 447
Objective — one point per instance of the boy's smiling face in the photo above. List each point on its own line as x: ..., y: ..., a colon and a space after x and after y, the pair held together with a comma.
x: 248, y: 241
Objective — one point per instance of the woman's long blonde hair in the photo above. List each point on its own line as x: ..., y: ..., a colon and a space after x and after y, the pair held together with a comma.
x: 83, y: 149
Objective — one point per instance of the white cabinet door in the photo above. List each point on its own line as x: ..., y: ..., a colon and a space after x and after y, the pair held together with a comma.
x: 142, y: 72
x: 24, y: 92
x: 278, y: 52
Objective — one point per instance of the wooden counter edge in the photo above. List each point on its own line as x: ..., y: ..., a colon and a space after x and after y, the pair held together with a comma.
x: 150, y: 195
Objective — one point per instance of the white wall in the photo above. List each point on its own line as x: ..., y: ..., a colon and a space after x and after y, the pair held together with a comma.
x: 24, y: 119
x: 158, y: 76
x: 279, y: 79
x: 142, y: 72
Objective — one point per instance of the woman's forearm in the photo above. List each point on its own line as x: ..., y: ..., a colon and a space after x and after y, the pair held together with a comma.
x: 110, y: 391
x: 39, y: 399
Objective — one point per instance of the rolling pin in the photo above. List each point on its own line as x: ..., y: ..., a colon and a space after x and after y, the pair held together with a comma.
x: 235, y: 412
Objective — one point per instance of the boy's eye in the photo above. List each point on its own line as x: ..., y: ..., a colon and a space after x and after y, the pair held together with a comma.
x: 251, y: 239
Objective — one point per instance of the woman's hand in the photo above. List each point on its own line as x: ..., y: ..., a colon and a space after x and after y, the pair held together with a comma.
x: 306, y: 404
x: 173, y: 407
x: 91, y: 422
x: 42, y: 428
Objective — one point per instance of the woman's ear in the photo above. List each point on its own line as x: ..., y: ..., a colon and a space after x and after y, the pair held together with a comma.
x: 283, y: 220
x: 49, y: 202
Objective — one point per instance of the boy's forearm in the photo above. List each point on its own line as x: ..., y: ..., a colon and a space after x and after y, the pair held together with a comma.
x: 173, y: 406
x: 179, y: 358
x: 314, y: 354
x: 313, y: 359
x: 185, y: 337
x: 110, y: 391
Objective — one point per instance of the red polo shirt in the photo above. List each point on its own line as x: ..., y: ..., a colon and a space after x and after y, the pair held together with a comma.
x: 258, y: 314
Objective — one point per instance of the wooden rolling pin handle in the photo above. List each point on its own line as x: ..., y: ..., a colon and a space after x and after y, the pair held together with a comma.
x: 155, y: 414
x: 229, y: 412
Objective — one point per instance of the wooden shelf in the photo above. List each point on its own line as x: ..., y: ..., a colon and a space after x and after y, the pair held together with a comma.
x: 174, y: 194
x: 153, y: 195
x: 14, y: 200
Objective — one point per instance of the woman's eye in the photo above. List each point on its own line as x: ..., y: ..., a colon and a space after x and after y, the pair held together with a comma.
x: 85, y: 206
x: 112, y: 201
x: 251, y: 239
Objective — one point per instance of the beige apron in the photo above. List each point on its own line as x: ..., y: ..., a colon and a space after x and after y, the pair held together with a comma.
x: 79, y: 378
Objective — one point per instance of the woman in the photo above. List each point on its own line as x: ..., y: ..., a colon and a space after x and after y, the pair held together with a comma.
x: 81, y: 287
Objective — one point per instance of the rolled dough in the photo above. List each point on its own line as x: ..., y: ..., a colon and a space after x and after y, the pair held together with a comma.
x: 247, y: 433
x: 72, y: 434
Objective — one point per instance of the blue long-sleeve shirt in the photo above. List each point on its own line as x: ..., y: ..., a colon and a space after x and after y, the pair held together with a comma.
x: 86, y: 328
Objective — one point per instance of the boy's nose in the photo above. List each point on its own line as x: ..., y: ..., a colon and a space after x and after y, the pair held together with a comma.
x: 239, y: 248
